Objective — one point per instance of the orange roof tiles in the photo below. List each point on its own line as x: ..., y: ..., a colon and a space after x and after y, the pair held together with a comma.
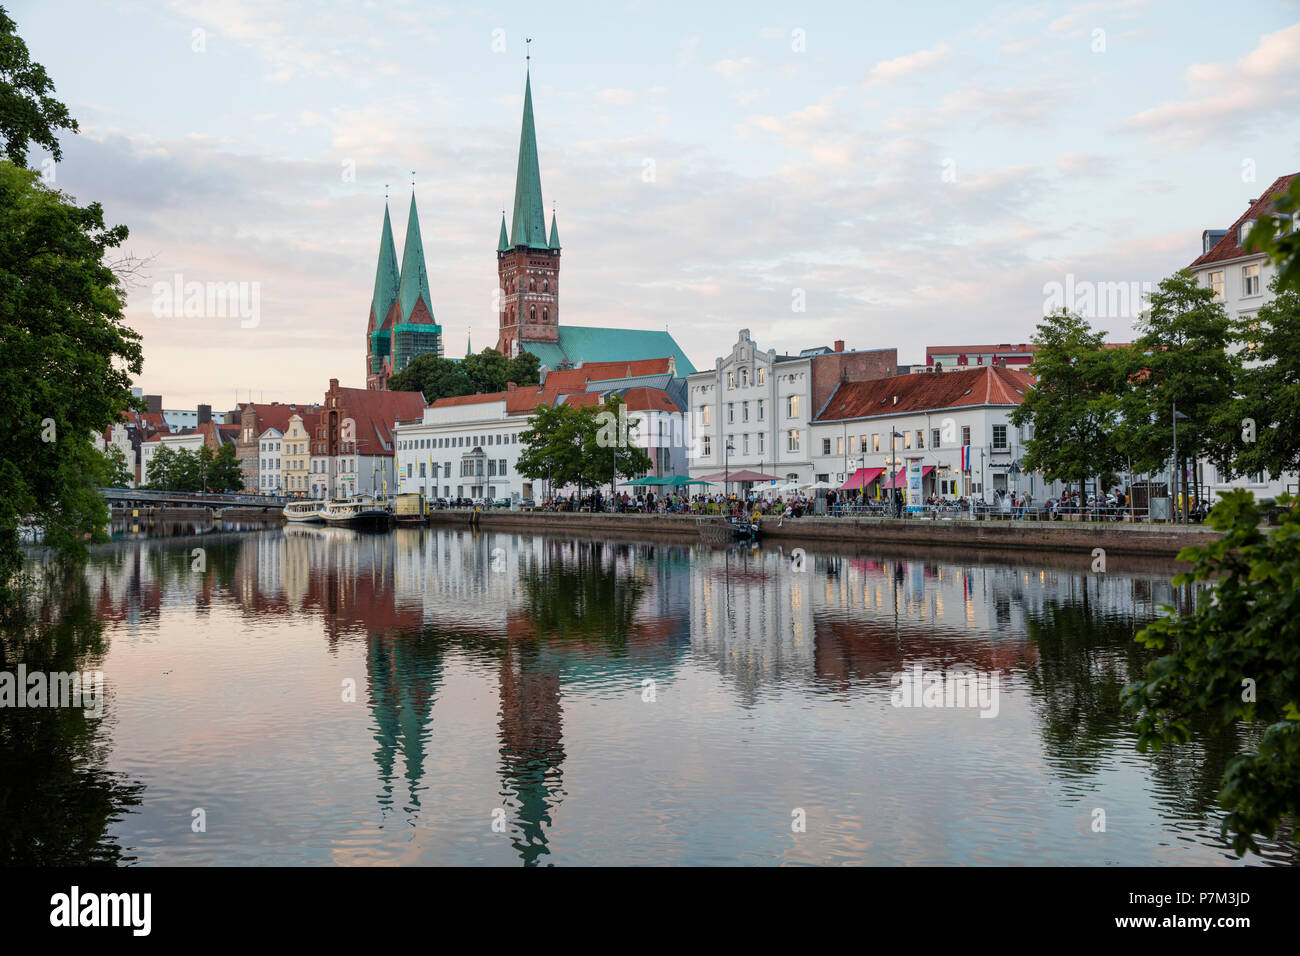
x: 901, y: 394
x: 1228, y: 247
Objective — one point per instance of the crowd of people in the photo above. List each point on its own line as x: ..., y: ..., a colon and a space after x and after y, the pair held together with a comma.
x: 1013, y: 504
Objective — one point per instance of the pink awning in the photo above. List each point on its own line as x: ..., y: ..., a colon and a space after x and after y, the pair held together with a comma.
x: 862, y: 478
x: 900, y: 479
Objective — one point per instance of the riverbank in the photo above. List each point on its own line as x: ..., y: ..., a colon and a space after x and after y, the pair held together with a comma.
x: 1080, y: 537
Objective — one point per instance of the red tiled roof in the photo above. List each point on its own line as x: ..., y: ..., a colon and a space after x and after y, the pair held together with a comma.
x: 476, y: 399
x: 604, y: 371
x: 1004, y: 348
x: 374, y: 411
x: 1228, y: 247
x: 274, y: 415
x: 901, y: 394
x: 649, y: 400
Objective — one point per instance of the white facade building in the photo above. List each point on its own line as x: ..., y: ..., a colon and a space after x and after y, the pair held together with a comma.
x: 270, y: 476
x: 192, y: 442
x: 1241, y: 281
x: 468, y: 448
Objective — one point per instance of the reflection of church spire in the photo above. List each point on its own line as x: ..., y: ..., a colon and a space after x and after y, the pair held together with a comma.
x: 531, y: 746
x: 405, y: 673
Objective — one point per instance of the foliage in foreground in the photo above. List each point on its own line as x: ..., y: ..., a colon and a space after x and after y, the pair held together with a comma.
x: 1235, y: 658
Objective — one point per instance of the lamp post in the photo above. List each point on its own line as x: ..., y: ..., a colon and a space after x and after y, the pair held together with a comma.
x: 893, y: 474
x: 1176, y: 473
x: 727, y: 449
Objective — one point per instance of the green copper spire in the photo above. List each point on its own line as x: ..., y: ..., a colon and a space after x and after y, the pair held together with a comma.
x: 555, y: 233
x: 386, y: 278
x: 529, y: 225
x: 503, y: 244
x: 414, y: 283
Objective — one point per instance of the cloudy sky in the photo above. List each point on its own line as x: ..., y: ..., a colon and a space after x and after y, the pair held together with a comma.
x: 912, y: 174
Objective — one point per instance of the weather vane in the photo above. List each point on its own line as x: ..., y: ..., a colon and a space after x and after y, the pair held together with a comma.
x: 528, y: 51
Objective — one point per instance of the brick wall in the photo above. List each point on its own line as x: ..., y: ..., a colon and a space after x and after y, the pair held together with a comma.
x: 829, y: 370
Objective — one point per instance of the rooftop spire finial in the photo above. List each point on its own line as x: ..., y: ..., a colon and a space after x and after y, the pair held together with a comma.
x: 528, y: 52
x: 413, y: 179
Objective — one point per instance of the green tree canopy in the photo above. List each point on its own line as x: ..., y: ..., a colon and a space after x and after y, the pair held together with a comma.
x: 1235, y: 657
x: 581, y: 445
x: 28, y: 111
x: 66, y: 362
x: 489, y: 371
x: 1075, y: 405
x: 1266, y: 416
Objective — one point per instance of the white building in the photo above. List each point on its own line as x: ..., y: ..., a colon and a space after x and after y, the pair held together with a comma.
x: 464, y: 447
x: 762, y: 405
x: 933, y: 417
x: 1241, y: 281
x: 270, y: 476
x: 119, y: 440
x: 148, y: 448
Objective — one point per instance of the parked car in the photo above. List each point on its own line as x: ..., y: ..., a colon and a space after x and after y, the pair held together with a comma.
x: 501, y: 503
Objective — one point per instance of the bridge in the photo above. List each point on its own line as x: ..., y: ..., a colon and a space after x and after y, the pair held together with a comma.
x: 141, y: 498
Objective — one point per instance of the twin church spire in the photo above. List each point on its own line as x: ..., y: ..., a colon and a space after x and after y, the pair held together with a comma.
x: 401, y: 323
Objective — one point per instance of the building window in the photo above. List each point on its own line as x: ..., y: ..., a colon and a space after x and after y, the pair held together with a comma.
x: 826, y: 446
x: 745, y: 442
x: 792, y: 440
x: 761, y: 442
x: 965, y: 434
x: 744, y: 411
x: 1250, y: 280
x: 762, y: 375
x: 1000, y: 436
x: 1216, y: 283
x: 744, y: 378
x: 705, y: 450
x: 706, y: 415
x: 920, y: 438
x: 731, y: 412
x: 875, y: 441
x: 862, y: 444
x: 731, y: 380
x: 934, y: 438
x: 907, y: 439
x: 839, y: 445
x: 792, y: 406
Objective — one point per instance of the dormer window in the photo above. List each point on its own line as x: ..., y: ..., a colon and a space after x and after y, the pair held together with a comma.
x: 1244, y: 230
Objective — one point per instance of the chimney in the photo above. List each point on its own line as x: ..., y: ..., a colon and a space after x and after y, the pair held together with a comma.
x: 839, y: 345
x: 334, y: 384
x: 510, y: 386
x: 204, y: 414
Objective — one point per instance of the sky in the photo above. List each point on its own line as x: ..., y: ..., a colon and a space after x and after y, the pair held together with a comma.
x: 891, y: 175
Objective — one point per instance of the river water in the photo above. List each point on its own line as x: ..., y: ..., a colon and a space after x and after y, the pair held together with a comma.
x: 315, y: 695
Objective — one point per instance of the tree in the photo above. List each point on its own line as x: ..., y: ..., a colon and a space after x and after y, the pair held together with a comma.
x: 1074, y: 406
x: 66, y: 363
x: 225, y: 473
x: 28, y: 113
x: 1266, y: 416
x: 116, y: 473
x: 1235, y: 657
x: 160, y: 473
x: 1276, y: 235
x: 490, y: 371
x: 433, y: 377
x: 1182, y: 359
x: 580, y: 445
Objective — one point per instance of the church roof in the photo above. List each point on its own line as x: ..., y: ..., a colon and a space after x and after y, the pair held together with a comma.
x: 528, y: 228
x: 503, y: 244
x: 555, y: 233
x: 414, y: 282
x: 586, y: 344
x: 386, y: 276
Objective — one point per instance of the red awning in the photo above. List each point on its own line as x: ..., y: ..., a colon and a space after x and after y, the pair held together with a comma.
x: 862, y: 478
x: 900, y: 479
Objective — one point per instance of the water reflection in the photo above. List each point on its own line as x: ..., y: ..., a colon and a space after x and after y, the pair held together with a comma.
x: 650, y: 702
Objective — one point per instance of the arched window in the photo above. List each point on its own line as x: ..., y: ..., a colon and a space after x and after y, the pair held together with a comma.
x: 546, y: 315
x: 546, y: 285
x: 532, y: 313
x: 532, y: 283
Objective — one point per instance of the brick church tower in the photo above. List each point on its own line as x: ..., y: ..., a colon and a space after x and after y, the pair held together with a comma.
x: 528, y: 263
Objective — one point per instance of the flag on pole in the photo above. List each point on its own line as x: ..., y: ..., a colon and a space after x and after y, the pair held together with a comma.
x: 965, y: 457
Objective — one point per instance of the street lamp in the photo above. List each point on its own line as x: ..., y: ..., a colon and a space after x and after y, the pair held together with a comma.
x: 893, y: 475
x: 1175, y: 473
x: 727, y: 449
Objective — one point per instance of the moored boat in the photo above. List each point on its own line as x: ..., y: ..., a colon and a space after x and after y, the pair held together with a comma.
x: 362, y: 509
x: 304, y: 511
